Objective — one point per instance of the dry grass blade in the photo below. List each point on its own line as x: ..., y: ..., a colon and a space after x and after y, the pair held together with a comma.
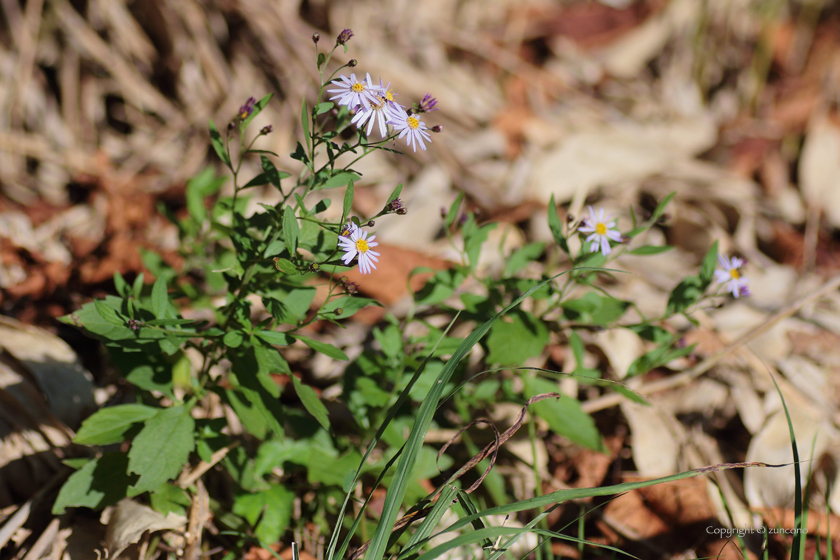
x: 496, y: 445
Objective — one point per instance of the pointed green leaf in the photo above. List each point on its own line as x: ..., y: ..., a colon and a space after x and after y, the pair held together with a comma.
x: 323, y: 348
x: 218, y: 144
x: 304, y: 119
x: 160, y: 298
x: 109, y: 425
x: 348, y: 202
x: 556, y: 226
x: 258, y: 106
x: 311, y: 402
x: 162, y: 448
x: 291, y: 230
x: 108, y: 313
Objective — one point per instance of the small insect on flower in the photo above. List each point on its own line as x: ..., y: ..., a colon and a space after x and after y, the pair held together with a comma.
x: 348, y: 229
x: 354, y: 93
x: 411, y: 127
x: 357, y: 244
x: 731, y: 275
x: 601, y: 231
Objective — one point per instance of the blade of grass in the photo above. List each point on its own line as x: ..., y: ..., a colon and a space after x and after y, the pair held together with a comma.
x: 388, y: 418
x: 394, y: 497
x: 798, y: 548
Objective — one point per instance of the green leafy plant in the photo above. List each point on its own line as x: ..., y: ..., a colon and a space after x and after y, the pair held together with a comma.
x: 214, y: 394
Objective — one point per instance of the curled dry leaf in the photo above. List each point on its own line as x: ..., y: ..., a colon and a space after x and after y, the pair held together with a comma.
x: 129, y: 520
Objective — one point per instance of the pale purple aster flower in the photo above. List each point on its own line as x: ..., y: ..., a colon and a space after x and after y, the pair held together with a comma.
x: 731, y: 275
x: 357, y: 244
x: 382, y: 111
x: 353, y: 93
x: 412, y: 127
x: 602, y: 231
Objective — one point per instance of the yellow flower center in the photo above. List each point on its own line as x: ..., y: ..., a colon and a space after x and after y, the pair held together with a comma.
x: 362, y: 246
x: 358, y: 88
x: 413, y: 123
x: 601, y: 229
x: 389, y: 96
x: 734, y: 274
x: 345, y: 232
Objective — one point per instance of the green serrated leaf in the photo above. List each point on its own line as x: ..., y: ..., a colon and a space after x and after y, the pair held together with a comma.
x: 160, y: 298
x: 101, y: 482
x: 162, y: 448
x: 311, y: 402
x: 323, y: 348
x: 109, y: 425
x: 218, y: 144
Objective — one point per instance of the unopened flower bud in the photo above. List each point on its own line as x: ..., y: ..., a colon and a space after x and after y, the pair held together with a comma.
x: 343, y: 280
x: 231, y: 126
x: 314, y: 267
x: 442, y: 212
x: 316, y: 37
x: 266, y: 129
x: 343, y: 37
x: 333, y: 112
x: 353, y: 62
x: 134, y: 325
x: 437, y: 128
x: 351, y: 288
x: 371, y: 223
x: 625, y: 239
x: 570, y: 218
x: 338, y: 311
x: 402, y: 211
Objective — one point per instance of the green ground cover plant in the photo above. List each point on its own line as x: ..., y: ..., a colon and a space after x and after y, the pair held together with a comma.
x: 259, y: 444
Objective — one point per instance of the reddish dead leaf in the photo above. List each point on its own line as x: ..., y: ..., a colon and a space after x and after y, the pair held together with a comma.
x: 389, y: 282
x: 631, y: 512
x: 683, y: 502
x: 589, y: 24
x: 818, y: 522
